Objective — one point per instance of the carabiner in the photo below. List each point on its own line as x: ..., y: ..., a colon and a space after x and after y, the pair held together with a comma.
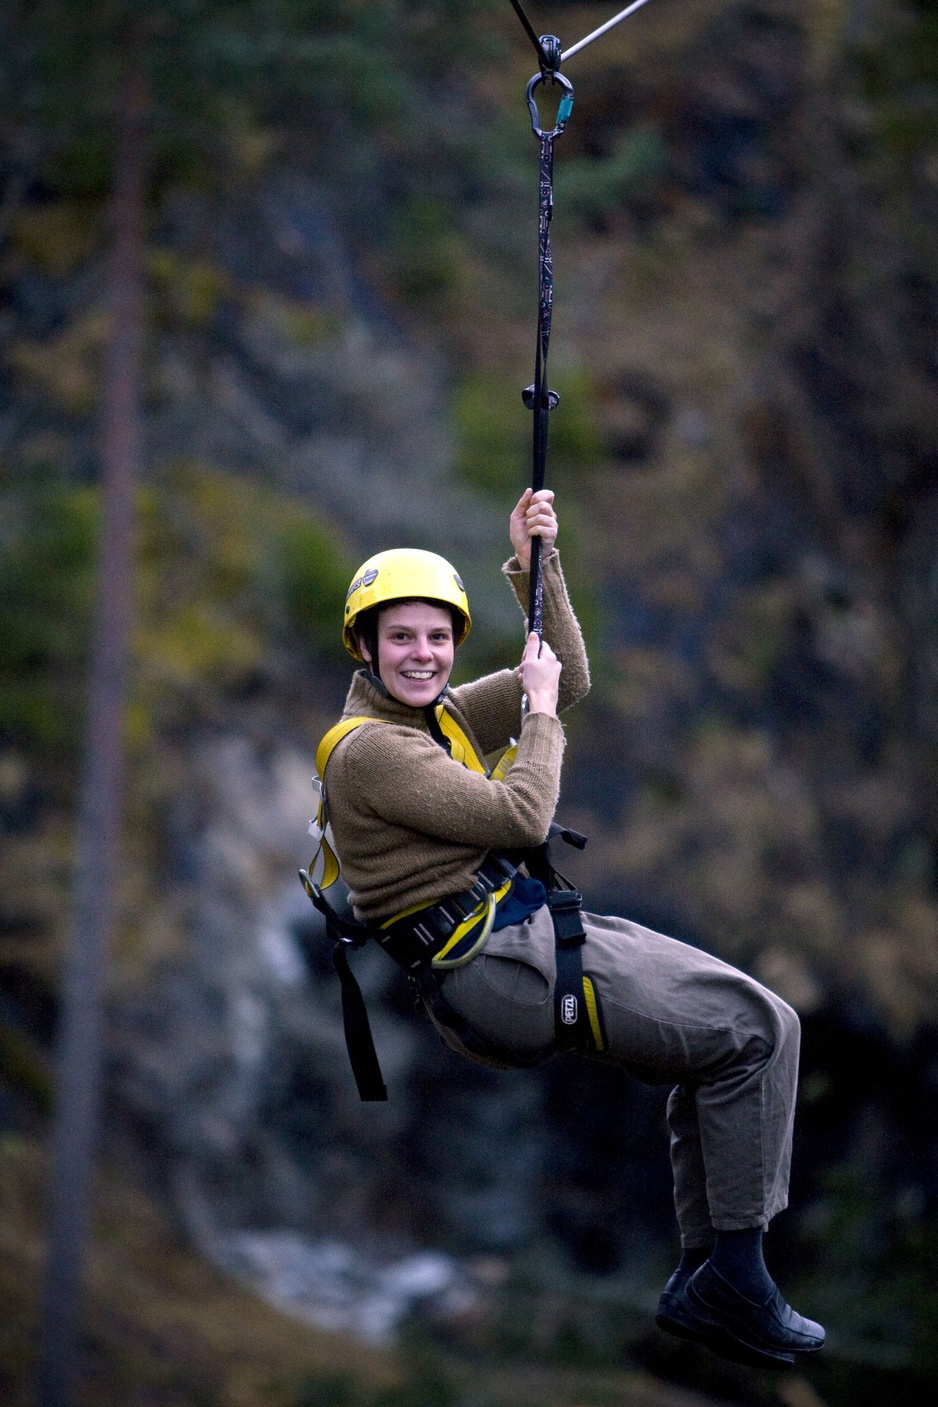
x: 564, y: 110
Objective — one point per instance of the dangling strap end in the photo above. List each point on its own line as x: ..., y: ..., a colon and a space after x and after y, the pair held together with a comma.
x: 358, y: 1037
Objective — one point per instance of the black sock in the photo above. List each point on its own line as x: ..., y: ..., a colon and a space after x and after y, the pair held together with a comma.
x: 737, y: 1255
x: 692, y: 1258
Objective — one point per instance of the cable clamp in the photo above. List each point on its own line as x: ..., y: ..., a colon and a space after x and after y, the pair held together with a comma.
x: 551, y: 54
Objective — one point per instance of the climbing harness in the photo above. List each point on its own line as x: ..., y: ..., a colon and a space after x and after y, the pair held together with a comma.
x: 451, y: 932
x: 445, y: 731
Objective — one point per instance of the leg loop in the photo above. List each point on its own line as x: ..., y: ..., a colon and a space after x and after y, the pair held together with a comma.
x: 577, y: 1014
x: 572, y: 1017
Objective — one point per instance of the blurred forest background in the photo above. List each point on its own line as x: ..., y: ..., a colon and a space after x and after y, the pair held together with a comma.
x: 339, y: 264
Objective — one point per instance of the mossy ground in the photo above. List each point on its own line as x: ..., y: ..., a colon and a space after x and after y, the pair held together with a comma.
x: 164, y: 1327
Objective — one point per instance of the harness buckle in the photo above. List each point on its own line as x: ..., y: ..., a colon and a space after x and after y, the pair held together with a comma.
x: 564, y: 900
x: 564, y: 905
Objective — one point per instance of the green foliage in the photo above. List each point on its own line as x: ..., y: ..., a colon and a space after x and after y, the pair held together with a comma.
x: 333, y: 1390
x: 57, y: 236
x: 894, y: 74
x: 189, y: 289
x: 576, y: 441
x: 82, y: 167
x: 592, y: 188
x: 901, y: 73
x: 46, y: 580
x: 428, y: 1381
x: 875, y: 1285
x: 226, y: 568
x: 494, y: 432
x: 315, y: 570
x: 490, y: 426
x: 427, y: 249
x: 200, y: 625
x: 305, y: 324
x: 22, y: 1070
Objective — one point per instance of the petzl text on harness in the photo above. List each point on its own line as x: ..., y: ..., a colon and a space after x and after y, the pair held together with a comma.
x: 577, y: 1014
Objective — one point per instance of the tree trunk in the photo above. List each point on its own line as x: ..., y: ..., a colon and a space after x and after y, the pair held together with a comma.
x: 80, y: 1052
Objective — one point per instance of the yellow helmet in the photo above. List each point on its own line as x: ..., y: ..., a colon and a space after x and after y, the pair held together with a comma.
x: 400, y: 574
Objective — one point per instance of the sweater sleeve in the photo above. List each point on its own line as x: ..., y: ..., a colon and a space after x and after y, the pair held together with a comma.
x: 561, y: 627
x: 492, y: 705
x: 409, y: 781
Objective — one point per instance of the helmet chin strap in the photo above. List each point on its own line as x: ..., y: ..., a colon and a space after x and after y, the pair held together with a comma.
x: 376, y: 682
x: 373, y: 664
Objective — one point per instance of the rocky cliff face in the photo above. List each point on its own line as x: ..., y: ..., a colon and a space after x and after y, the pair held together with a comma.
x: 745, y: 326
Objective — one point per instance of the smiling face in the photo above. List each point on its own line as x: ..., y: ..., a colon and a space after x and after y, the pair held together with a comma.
x: 415, y: 651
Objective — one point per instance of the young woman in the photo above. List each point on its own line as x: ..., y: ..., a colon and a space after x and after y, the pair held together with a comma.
x: 430, y: 844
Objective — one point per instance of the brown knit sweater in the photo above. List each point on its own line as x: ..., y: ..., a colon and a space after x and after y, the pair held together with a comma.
x: 410, y: 824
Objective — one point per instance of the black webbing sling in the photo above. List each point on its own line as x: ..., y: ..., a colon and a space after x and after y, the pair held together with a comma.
x: 346, y: 933
x: 538, y: 397
x: 573, y: 1029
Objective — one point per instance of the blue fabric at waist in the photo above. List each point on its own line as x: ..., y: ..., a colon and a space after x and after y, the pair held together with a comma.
x: 524, y: 898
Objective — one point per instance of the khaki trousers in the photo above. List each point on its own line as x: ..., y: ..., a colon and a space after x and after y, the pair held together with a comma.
x: 672, y: 1014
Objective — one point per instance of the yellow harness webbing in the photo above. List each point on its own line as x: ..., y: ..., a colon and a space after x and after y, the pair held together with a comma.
x: 324, y: 867
x: 594, y: 1014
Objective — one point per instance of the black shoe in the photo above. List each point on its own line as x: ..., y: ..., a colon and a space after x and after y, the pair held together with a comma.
x: 673, y: 1315
x: 677, y: 1316
x: 769, y: 1334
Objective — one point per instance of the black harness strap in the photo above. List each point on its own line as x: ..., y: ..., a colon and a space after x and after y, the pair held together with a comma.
x: 572, y: 1022
x: 574, y: 1030
x: 358, y: 1037
x: 346, y: 933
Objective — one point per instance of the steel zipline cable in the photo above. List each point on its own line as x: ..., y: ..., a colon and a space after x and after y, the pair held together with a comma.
x: 603, y: 29
x: 582, y: 43
x: 538, y: 397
